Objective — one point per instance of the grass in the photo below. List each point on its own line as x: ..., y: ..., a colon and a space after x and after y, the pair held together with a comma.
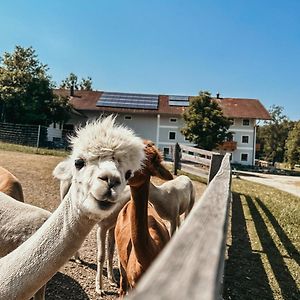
x: 193, y: 177
x: 32, y: 150
x: 263, y: 244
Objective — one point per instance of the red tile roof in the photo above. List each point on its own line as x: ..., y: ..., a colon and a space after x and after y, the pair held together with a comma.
x: 232, y: 107
x: 243, y: 108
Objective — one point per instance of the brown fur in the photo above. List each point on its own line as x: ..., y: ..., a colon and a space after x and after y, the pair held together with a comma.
x: 10, y: 185
x: 140, y: 233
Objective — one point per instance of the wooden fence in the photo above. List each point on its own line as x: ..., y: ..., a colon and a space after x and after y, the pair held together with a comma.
x: 196, y: 161
x: 192, y: 264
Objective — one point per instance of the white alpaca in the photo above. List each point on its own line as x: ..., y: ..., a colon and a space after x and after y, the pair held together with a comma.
x: 103, y: 158
x: 18, y: 221
x: 105, y: 230
x: 173, y: 198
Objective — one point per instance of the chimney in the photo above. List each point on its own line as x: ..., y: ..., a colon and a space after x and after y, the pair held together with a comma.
x: 72, y: 89
x: 218, y: 95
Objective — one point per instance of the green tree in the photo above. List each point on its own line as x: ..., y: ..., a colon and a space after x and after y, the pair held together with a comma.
x: 293, y: 145
x: 26, y: 90
x: 205, y: 124
x: 72, y: 80
x: 273, y: 135
x: 86, y: 84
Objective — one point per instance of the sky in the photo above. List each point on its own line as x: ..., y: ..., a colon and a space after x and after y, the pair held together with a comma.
x: 238, y: 48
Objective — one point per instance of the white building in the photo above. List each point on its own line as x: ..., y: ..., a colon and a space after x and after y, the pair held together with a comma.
x: 159, y: 118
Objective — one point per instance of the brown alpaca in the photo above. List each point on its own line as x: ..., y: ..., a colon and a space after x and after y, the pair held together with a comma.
x: 140, y: 233
x: 10, y: 185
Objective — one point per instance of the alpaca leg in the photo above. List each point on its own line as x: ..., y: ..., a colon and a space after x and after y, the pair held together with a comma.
x: 110, y: 256
x: 173, y: 226
x: 101, y: 235
x: 77, y: 257
x: 189, y: 208
x: 123, y: 281
x: 186, y: 213
x: 40, y: 294
x: 178, y: 221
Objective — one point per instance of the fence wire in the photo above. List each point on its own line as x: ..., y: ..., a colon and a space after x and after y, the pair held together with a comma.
x: 31, y: 135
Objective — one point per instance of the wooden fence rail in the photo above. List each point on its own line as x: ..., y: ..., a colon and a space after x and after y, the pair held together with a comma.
x: 192, y: 264
x: 196, y: 161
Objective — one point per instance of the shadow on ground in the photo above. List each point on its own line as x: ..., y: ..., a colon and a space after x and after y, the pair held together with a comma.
x: 62, y: 287
x: 245, y: 275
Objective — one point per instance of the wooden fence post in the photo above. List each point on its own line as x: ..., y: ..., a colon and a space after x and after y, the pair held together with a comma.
x: 216, y: 160
x: 176, y: 158
x: 38, y: 137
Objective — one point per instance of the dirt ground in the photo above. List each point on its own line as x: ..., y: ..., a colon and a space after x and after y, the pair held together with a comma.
x: 73, y: 281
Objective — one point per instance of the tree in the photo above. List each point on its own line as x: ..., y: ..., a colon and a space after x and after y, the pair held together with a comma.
x: 26, y: 90
x: 293, y: 145
x: 273, y: 135
x: 205, y: 124
x: 72, y: 80
x: 86, y: 84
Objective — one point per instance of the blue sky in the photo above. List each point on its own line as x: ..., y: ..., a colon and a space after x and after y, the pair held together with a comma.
x: 239, y: 48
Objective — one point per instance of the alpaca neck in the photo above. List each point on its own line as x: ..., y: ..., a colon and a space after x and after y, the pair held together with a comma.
x: 33, y: 263
x: 156, y: 196
x: 139, y: 220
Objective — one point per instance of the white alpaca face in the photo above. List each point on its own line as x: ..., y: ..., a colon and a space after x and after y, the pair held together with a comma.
x: 97, y: 185
x: 104, y: 157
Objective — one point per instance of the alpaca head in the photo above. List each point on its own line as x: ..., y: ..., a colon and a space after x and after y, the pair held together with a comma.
x: 152, y: 166
x: 104, y: 156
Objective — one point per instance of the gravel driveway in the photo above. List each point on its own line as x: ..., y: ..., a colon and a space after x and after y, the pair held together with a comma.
x: 290, y: 184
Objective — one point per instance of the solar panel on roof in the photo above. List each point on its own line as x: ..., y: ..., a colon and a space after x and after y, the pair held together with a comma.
x: 122, y: 100
x: 175, y: 100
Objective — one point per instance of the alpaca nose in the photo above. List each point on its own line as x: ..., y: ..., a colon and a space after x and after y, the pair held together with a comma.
x: 111, y: 181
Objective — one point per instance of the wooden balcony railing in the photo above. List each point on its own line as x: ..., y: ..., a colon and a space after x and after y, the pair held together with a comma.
x: 227, y: 146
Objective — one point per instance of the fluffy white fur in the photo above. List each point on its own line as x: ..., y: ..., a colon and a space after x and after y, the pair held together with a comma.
x: 109, y: 152
x: 173, y: 198
x: 18, y: 221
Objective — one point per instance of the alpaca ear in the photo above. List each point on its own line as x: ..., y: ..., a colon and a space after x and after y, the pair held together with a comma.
x: 164, y: 173
x: 160, y: 170
x: 63, y: 171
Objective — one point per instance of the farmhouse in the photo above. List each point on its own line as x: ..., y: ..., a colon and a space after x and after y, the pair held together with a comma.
x: 159, y: 118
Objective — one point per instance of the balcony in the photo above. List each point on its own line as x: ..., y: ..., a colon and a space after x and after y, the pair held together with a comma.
x: 228, y: 146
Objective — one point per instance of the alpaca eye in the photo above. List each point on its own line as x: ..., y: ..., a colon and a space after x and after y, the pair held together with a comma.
x: 79, y: 163
x: 128, y: 174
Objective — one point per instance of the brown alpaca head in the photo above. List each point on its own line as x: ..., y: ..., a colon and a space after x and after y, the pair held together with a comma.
x: 152, y: 166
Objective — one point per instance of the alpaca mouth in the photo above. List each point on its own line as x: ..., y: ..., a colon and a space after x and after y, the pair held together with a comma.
x: 105, y: 204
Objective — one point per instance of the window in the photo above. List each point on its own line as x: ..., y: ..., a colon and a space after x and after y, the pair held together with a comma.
x: 173, y: 120
x: 246, y: 122
x: 172, y: 135
x: 166, y: 152
x: 245, y: 139
x: 244, y: 157
x: 127, y: 117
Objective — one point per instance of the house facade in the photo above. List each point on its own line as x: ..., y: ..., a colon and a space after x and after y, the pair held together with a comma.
x: 159, y: 118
